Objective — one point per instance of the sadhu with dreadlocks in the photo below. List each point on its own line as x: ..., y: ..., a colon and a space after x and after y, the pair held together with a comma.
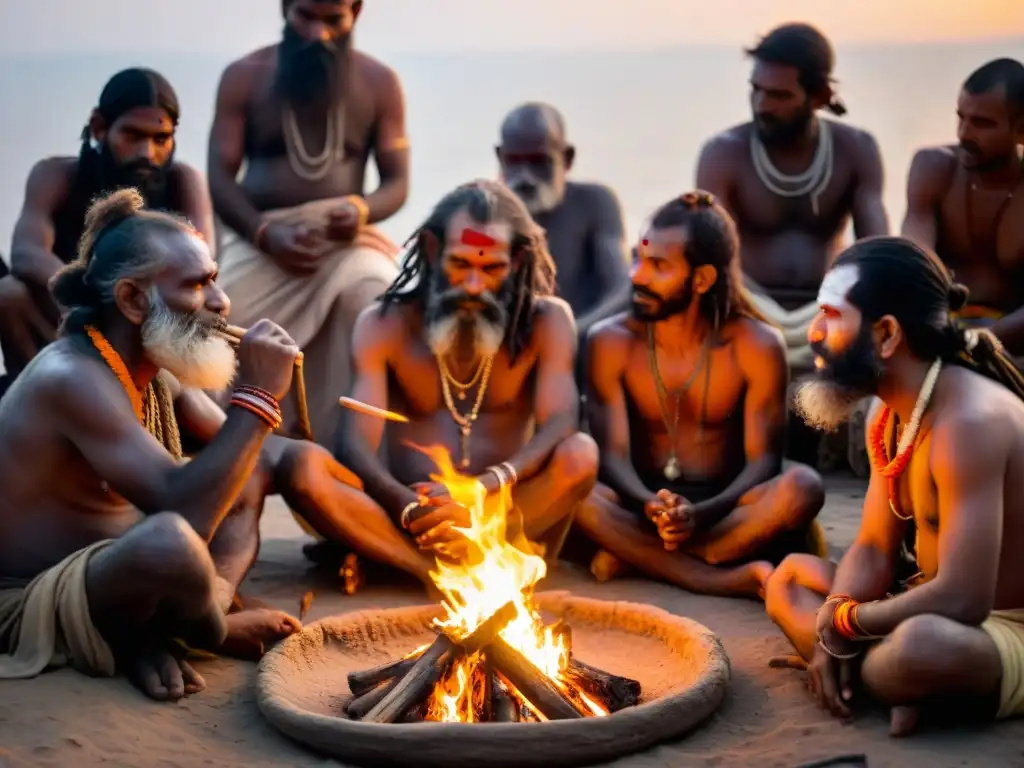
x: 947, y: 451
x: 111, y: 545
x: 470, y: 345
x: 687, y: 399
x: 129, y: 141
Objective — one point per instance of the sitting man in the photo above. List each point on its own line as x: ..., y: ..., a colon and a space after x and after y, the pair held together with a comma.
x: 96, y: 567
x: 963, y: 201
x: 129, y: 142
x: 688, y: 405
x: 300, y: 120
x: 947, y: 454
x: 583, y: 222
x: 469, y: 344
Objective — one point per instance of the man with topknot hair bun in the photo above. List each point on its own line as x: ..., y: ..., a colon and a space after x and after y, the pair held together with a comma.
x: 947, y: 455
x: 113, y: 547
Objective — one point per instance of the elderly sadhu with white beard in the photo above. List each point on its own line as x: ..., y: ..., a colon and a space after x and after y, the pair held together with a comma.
x: 115, y: 552
x: 469, y: 344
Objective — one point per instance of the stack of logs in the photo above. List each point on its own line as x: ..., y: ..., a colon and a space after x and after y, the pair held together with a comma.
x: 399, y: 692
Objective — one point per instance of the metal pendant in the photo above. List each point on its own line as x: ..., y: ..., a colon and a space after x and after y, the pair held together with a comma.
x: 672, y: 471
x: 461, y: 395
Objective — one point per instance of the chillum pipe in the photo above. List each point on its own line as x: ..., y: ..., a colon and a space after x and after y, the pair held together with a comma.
x: 233, y: 334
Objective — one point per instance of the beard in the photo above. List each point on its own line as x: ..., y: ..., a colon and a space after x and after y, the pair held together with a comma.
x: 305, y: 68
x: 832, y: 393
x: 101, y: 172
x: 664, y: 308
x: 772, y: 130
x: 973, y: 158
x: 538, y: 196
x: 452, y: 317
x: 184, y: 344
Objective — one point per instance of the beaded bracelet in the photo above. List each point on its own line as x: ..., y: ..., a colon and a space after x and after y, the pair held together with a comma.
x: 262, y: 394
x: 361, y: 207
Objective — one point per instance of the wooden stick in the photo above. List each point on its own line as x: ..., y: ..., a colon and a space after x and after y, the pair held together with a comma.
x: 489, y: 629
x: 360, y: 705
x: 371, y: 410
x: 535, y: 687
x: 366, y: 680
x: 613, y: 691
x: 414, y: 685
x: 504, y: 708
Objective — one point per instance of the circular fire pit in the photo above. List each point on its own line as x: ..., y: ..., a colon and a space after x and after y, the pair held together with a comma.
x: 302, y: 688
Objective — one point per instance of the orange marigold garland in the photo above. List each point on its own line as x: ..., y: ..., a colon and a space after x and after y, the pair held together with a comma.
x: 892, y: 469
x: 116, y: 364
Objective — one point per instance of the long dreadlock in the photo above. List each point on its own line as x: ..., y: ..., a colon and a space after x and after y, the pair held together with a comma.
x: 533, y: 269
x: 711, y: 238
x: 900, y: 278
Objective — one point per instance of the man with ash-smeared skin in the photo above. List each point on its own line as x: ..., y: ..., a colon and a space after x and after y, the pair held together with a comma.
x: 471, y: 346
x: 582, y: 221
x: 128, y: 142
x: 112, y: 543
x: 298, y: 244
x: 965, y: 200
x: 947, y: 455
x: 687, y: 401
x: 792, y: 228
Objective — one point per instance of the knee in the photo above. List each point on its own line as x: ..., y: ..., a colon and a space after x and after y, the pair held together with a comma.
x: 918, y: 646
x: 305, y: 467
x: 170, y: 551
x: 575, y: 462
x: 804, y: 493
x: 14, y: 296
x: 778, y: 592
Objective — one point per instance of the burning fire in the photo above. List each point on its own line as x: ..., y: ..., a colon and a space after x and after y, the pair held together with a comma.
x: 494, y: 572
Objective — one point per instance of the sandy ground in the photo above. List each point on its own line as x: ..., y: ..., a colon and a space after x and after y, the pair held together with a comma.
x: 65, y: 719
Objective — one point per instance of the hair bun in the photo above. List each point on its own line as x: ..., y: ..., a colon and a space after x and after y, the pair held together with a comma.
x: 70, y: 288
x: 958, y: 294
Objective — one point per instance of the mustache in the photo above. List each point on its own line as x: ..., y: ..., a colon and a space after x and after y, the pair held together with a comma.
x: 646, y: 293
x: 453, y: 300
x: 970, y: 147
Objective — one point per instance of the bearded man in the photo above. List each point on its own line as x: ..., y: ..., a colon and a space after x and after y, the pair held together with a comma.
x: 469, y: 344
x: 792, y: 181
x: 947, y: 454
x: 582, y: 221
x: 112, y: 546
x: 962, y: 200
x: 687, y: 401
x: 129, y: 142
x: 304, y: 116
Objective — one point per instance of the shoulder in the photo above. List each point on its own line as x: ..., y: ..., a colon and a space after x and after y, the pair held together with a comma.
x: 851, y: 138
x: 756, y: 342
x: 932, y: 167
x: 241, y: 74
x: 62, y: 374
x: 599, y: 200
x: 613, y: 334
x: 381, y: 325
x: 551, y: 313
x: 376, y: 72
x: 186, y: 177
x: 969, y: 406
x: 53, y: 173
x: 727, y: 144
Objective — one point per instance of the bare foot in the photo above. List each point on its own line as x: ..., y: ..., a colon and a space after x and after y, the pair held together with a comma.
x: 163, y: 677
x: 605, y: 566
x: 251, y: 632
x: 903, y: 720
x: 760, y: 572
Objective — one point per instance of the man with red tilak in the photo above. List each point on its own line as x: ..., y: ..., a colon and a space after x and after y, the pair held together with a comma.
x: 472, y: 347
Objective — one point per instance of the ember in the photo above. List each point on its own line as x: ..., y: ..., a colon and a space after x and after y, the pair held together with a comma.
x: 494, y: 659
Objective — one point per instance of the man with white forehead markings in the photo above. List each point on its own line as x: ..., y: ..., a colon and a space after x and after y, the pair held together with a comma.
x: 951, y: 633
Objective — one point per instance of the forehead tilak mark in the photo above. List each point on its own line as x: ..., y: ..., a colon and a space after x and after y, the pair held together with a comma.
x: 836, y: 286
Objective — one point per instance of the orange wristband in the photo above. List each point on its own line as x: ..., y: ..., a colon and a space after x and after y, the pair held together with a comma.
x: 361, y: 207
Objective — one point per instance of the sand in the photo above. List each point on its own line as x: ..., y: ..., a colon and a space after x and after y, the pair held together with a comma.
x: 768, y: 719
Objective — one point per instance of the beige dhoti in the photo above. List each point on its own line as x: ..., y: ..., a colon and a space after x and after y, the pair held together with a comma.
x: 46, y: 623
x: 794, y: 324
x: 318, y: 310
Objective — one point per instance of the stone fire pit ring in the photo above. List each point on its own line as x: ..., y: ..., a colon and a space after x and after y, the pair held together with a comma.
x: 682, y: 667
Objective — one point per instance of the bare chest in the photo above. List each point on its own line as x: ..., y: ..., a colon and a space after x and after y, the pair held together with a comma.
x: 691, y: 388
x: 981, y: 227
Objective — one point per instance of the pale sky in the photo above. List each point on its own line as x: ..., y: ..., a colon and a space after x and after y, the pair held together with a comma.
x: 214, y: 27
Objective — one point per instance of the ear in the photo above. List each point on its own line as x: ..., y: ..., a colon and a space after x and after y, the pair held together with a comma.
x: 704, y: 278
x: 132, y: 301
x: 357, y: 8
x: 822, y: 98
x: 431, y: 246
x: 888, y: 335
x: 98, y: 126
x: 569, y: 157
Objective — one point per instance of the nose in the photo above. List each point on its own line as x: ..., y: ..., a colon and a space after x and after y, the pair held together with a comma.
x: 474, y: 283
x: 816, y: 330
x: 319, y: 32
x: 217, y: 301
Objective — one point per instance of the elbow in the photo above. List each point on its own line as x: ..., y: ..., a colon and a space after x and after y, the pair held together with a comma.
x: 971, y: 610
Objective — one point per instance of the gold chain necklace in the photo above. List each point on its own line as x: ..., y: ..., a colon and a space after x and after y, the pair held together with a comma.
x: 672, y: 470
x: 463, y: 387
x: 466, y: 421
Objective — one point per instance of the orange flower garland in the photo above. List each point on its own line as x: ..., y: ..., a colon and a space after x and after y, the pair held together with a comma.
x: 116, y: 364
x: 893, y: 469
